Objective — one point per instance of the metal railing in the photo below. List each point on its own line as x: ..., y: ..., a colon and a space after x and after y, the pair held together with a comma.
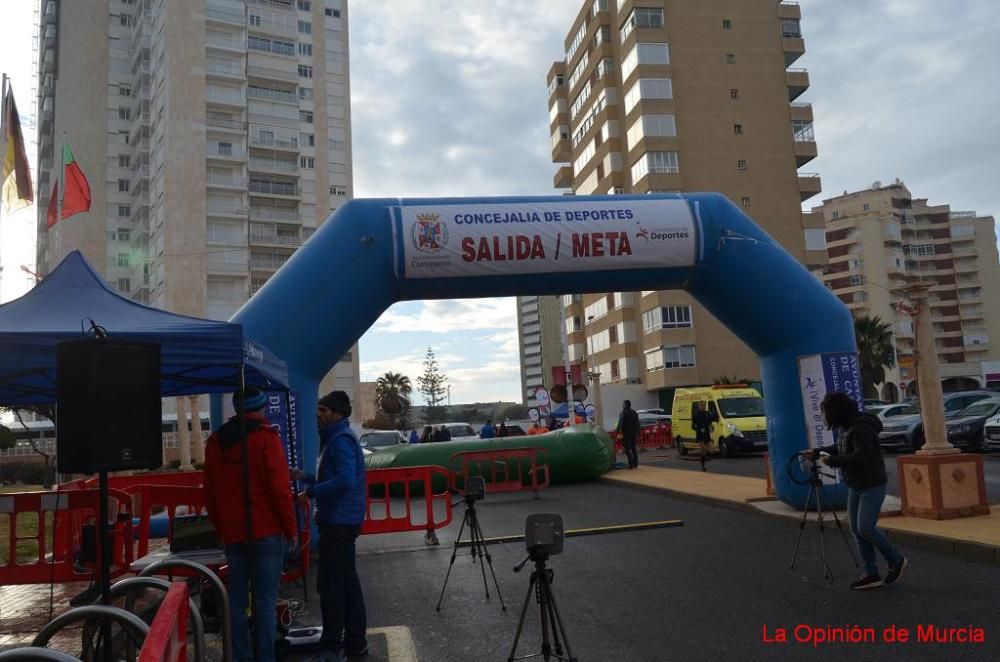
x: 225, y: 69
x: 274, y: 164
x: 262, y: 141
x: 273, y: 188
x: 226, y: 124
x: 224, y: 15
x: 271, y: 95
x: 275, y: 239
x: 273, y: 214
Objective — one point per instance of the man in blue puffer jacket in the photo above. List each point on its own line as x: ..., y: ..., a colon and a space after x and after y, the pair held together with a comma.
x: 339, y: 490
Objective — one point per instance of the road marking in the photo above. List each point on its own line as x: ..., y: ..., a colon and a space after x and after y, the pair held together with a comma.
x: 595, y: 530
x: 400, y: 643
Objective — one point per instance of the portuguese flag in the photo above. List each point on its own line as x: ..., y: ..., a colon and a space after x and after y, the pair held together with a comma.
x: 76, y: 191
x: 15, y: 177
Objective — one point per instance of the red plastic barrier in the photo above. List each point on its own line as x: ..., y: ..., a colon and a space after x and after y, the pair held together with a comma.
x: 146, y: 498
x: 505, y: 470
x: 651, y: 437
x: 167, y: 638
x: 53, y: 556
x: 385, y: 482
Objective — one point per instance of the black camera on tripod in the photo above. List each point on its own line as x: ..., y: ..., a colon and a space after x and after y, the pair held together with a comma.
x: 475, y: 488
x: 544, y: 533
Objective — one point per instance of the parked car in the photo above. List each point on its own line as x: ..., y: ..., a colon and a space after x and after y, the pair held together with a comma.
x: 991, y: 434
x: 967, y: 430
x: 891, y: 411
x: 906, y: 433
x: 871, y: 402
x: 373, y: 441
x: 657, y: 412
x: 461, y: 431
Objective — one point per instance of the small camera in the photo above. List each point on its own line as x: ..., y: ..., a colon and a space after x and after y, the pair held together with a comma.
x: 475, y: 488
x: 544, y: 532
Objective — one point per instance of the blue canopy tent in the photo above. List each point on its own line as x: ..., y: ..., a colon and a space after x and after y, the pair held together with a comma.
x: 197, y: 355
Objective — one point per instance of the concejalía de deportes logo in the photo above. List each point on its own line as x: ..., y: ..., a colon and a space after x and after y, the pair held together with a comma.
x: 663, y: 234
x: 429, y: 234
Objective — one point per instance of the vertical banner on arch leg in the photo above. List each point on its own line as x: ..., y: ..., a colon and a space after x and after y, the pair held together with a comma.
x: 820, y: 374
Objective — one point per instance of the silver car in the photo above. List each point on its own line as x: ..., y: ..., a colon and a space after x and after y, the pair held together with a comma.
x: 906, y: 433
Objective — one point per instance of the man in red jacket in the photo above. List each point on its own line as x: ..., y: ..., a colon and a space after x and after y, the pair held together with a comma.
x: 272, y: 515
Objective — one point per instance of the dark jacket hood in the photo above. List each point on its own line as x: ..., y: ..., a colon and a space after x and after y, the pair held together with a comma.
x: 871, y: 420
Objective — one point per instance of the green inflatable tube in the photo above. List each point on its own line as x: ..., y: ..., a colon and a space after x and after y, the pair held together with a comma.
x: 575, y: 454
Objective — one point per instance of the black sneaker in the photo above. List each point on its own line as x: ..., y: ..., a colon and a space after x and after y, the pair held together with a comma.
x: 357, y: 653
x: 868, y: 581
x: 895, y: 571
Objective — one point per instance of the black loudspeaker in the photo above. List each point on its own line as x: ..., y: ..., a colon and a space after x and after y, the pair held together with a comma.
x: 108, y: 411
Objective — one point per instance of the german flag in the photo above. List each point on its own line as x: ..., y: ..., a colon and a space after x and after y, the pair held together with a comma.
x: 15, y: 177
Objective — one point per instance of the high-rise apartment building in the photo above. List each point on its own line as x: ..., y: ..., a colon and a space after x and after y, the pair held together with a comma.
x: 215, y: 136
x: 539, y: 336
x: 880, y: 241
x: 667, y: 96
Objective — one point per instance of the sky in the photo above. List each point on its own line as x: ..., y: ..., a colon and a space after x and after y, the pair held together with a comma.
x: 451, y: 99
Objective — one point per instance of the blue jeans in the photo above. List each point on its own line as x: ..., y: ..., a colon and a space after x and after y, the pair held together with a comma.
x: 268, y: 559
x: 863, y: 508
x: 341, y: 600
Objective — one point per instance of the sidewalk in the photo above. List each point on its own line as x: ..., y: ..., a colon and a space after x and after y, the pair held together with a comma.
x: 973, y: 537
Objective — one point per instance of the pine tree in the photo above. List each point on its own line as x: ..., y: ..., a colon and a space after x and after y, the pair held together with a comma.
x: 432, y: 385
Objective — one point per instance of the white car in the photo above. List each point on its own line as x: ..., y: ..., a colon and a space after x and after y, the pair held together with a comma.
x: 991, y: 434
x: 373, y: 441
x: 889, y: 411
x: 461, y: 431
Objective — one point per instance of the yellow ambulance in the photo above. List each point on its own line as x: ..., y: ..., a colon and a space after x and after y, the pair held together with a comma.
x: 740, y: 425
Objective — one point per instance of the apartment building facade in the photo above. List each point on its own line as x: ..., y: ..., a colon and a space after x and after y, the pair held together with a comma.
x: 539, y: 338
x: 215, y: 136
x: 671, y: 96
x: 882, y: 240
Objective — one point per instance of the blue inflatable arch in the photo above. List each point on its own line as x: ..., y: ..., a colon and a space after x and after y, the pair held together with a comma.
x: 373, y: 253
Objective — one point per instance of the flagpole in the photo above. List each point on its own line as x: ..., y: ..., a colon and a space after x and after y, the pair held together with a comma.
x: 3, y: 132
x: 61, y: 192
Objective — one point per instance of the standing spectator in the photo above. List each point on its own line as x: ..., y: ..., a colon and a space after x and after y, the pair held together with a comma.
x: 628, y: 424
x: 487, y: 431
x: 414, y: 437
x: 503, y: 432
x: 339, y: 489
x: 428, y: 436
x: 702, y: 422
x: 272, y: 520
x: 445, y: 433
x: 537, y: 428
x: 858, y: 455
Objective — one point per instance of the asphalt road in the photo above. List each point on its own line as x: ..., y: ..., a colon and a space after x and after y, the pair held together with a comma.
x: 703, y: 591
x: 753, y: 465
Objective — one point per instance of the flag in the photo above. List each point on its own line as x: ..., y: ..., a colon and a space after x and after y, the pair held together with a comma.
x: 75, y: 194
x: 15, y: 177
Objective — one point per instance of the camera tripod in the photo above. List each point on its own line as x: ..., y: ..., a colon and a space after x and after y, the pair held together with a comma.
x: 479, y: 551
x: 541, y: 585
x: 817, y: 491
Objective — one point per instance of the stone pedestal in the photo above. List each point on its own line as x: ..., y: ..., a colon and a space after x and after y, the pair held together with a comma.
x: 942, y: 485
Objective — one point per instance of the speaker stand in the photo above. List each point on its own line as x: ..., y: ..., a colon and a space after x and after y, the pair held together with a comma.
x: 104, y: 562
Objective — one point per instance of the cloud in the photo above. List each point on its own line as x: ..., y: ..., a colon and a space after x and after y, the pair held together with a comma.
x: 447, y: 316
x: 496, y: 379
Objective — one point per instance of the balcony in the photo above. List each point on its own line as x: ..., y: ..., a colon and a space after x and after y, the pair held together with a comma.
x: 221, y: 14
x: 225, y: 98
x: 265, y: 262
x: 801, y: 111
x: 281, y: 28
x: 797, y: 81
x: 268, y: 94
x: 277, y: 239
x: 805, y: 151
x: 226, y: 42
x: 225, y: 211
x: 270, y: 73
x: 564, y: 177
x: 227, y: 152
x: 789, y: 10
x: 288, y: 143
x: 262, y: 187
x: 273, y: 165
x: 227, y: 70
x: 273, y: 214
x: 233, y: 181
x: 226, y: 124
x: 810, y: 184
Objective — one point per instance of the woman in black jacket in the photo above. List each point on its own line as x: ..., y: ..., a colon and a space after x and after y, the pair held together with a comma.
x: 858, y: 455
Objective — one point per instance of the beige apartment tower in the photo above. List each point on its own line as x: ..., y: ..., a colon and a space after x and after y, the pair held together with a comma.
x: 670, y: 96
x: 215, y: 135
x: 880, y: 240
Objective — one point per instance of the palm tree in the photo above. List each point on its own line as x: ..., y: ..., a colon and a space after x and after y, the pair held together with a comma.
x: 875, y: 350
x: 392, y: 396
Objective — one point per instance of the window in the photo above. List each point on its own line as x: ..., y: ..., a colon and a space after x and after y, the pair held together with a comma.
x: 308, y: 139
x: 254, y: 21
x: 656, y: 163
x: 648, y: 88
x: 125, y: 19
x: 305, y: 27
x: 790, y: 27
x: 835, y: 215
x: 652, y: 126
x: 666, y: 317
x: 336, y: 145
x: 123, y: 186
x: 305, y: 71
x: 332, y: 12
x: 655, y: 53
x: 867, y: 207
x: 306, y: 116
x: 730, y: 58
x: 678, y: 357
x: 276, y: 46
x: 124, y: 211
x: 124, y: 112
x: 124, y: 90
x: 856, y: 280
x: 304, y: 5
x: 745, y: 201
x: 123, y: 259
x: 734, y: 93
x: 642, y: 17
x: 123, y: 160
x: 615, y: 372
x: 306, y: 93
x: 305, y: 49
x: 727, y: 24
x: 225, y: 149
x: 803, y: 131
x: 307, y: 162
x: 741, y: 164
x: 738, y: 129
x: 124, y: 234
x: 124, y: 285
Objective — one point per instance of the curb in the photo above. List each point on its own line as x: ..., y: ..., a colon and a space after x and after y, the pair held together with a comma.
x: 973, y: 551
